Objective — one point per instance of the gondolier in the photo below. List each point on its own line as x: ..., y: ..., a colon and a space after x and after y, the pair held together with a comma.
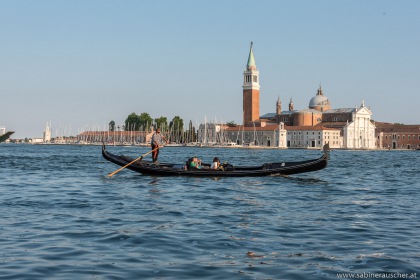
x: 156, y: 142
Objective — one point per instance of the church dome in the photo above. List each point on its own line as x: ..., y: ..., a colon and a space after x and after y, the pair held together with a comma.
x: 320, y: 102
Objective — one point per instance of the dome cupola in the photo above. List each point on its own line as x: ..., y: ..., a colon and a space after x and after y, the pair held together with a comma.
x: 320, y: 102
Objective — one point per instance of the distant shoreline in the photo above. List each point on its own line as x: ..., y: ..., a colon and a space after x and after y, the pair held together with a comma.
x: 204, y: 146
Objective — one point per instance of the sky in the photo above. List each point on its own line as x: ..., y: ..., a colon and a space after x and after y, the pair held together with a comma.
x: 82, y: 64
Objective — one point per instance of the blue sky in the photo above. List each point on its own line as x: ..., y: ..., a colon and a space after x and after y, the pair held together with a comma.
x: 81, y: 64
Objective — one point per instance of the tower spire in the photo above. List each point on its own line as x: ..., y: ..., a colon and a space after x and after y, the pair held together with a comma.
x: 291, y: 105
x: 319, y: 90
x: 251, y: 59
x: 278, y: 106
x: 251, y: 90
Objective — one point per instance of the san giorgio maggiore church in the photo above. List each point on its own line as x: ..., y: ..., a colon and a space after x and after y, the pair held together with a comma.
x: 319, y: 124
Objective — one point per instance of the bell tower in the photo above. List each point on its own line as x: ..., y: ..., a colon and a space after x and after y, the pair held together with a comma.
x: 278, y: 107
x: 291, y: 105
x: 251, y: 91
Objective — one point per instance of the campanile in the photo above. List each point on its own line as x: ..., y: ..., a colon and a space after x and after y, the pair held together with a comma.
x: 251, y: 91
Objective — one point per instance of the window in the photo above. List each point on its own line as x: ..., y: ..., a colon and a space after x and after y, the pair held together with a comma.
x: 255, y: 79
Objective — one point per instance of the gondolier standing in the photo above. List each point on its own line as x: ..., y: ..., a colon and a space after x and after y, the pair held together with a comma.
x: 157, y: 140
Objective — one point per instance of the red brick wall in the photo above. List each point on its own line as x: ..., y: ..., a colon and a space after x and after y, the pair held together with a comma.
x: 251, y: 105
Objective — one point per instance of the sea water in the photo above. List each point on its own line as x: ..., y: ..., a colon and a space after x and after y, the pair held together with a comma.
x: 61, y: 217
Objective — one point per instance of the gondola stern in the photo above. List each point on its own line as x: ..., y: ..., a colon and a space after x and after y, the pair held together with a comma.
x: 326, y: 149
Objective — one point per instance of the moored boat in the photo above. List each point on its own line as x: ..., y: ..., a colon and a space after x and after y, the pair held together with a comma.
x: 4, y: 137
x: 265, y: 169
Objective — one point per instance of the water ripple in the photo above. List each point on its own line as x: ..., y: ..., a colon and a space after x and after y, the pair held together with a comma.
x: 61, y: 217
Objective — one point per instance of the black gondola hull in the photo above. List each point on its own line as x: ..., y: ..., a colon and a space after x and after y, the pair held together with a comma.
x: 267, y: 169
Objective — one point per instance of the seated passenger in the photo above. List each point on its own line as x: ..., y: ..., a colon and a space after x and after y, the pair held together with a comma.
x: 215, y: 164
x: 195, y: 163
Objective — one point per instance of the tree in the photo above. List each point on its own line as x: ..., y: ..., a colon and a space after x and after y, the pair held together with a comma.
x: 146, y: 121
x: 132, y: 122
x: 190, y: 135
x: 176, y: 126
x: 231, y: 124
x: 161, y: 122
x: 112, y: 126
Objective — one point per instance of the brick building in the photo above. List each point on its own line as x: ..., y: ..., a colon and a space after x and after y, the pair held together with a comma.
x: 397, y: 136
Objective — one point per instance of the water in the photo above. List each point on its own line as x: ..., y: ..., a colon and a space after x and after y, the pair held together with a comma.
x: 62, y: 218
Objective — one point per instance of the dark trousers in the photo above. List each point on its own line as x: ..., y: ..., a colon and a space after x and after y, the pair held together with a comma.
x: 155, y: 153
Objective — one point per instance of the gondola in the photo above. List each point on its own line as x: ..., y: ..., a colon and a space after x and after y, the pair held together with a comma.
x: 266, y: 169
x: 5, y: 136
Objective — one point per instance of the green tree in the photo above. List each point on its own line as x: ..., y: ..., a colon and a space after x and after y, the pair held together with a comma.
x: 112, y: 126
x: 146, y: 121
x: 190, y: 135
x: 231, y: 124
x: 176, y: 126
x: 162, y: 123
x: 132, y: 122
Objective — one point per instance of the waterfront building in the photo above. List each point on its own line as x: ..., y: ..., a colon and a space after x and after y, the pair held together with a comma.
x: 397, y: 136
x: 210, y: 134
x: 263, y: 135
x: 47, y: 134
x: 356, y: 127
x: 36, y: 140
x: 281, y: 136
x: 313, y: 137
x: 359, y: 133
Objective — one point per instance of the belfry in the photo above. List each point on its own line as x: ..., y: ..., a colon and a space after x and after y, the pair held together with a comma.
x: 251, y: 91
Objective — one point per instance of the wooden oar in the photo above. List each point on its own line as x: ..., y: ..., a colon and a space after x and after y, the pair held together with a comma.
x: 128, y: 164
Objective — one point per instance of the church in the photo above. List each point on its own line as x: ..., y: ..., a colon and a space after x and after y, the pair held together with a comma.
x: 319, y: 124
